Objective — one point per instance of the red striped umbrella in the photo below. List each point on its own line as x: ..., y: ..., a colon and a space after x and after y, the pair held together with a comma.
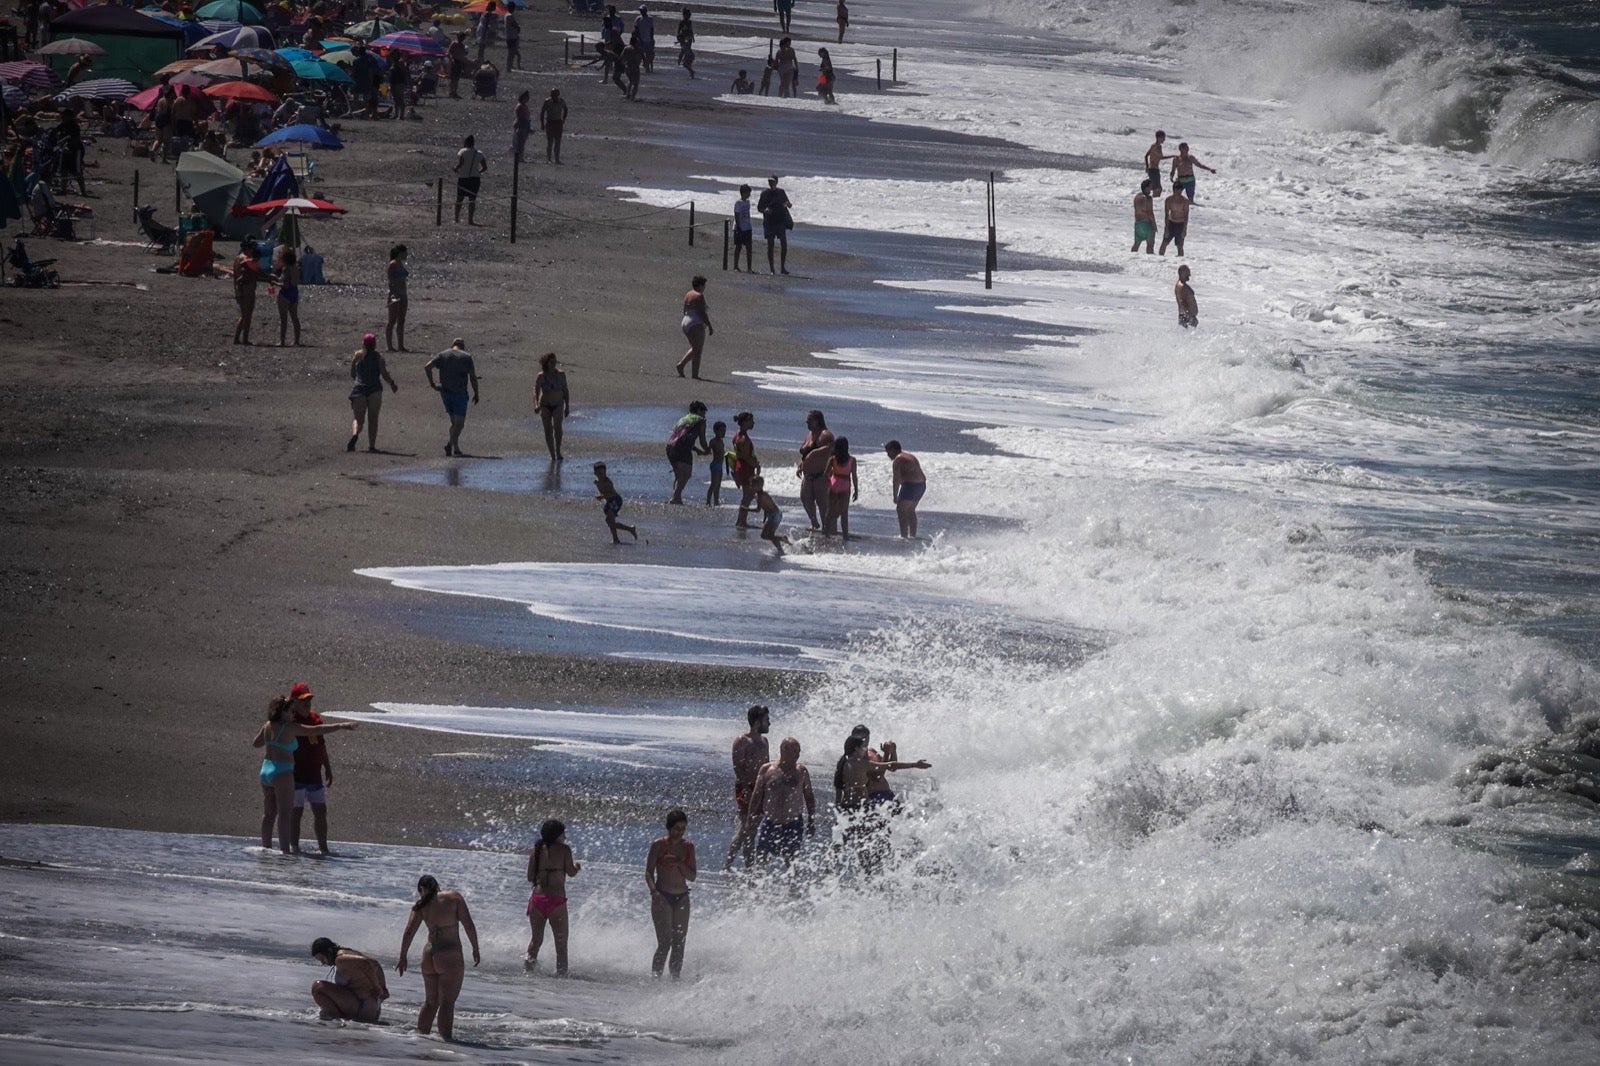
x: 410, y: 41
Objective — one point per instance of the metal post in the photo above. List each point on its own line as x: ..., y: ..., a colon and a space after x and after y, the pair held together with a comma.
x: 438, y: 205
x: 516, y: 180
x: 727, y: 225
x: 991, y: 256
x: 177, y: 194
x: 566, y: 50
x: 894, y: 69
x: 880, y: 75
x: 135, y: 188
x: 691, y: 223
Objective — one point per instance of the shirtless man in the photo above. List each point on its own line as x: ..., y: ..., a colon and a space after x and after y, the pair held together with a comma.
x: 1183, y: 165
x: 668, y: 869
x: 357, y: 990
x: 1188, y: 309
x: 865, y: 791
x: 815, y: 451
x: 549, y: 865
x: 750, y: 754
x: 783, y: 805
x: 1176, y: 212
x: 1153, y: 158
x: 909, y: 483
x: 1144, y: 219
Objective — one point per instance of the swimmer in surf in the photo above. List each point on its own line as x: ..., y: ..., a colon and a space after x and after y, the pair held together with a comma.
x: 549, y: 865
x: 668, y: 869
x: 443, y: 967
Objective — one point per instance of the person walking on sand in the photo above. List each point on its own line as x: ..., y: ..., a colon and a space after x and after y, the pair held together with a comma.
x: 743, y: 231
x: 1175, y: 210
x: 521, y: 125
x: 719, y: 456
x: 354, y: 989
x: 645, y: 26
x: 246, y: 275
x: 633, y: 64
x: 444, y: 967
x: 776, y: 222
x: 908, y: 485
x: 841, y: 15
x: 669, y: 866
x: 745, y: 466
x: 552, y: 120
x: 456, y: 372
x: 550, y: 863
x: 469, y: 167
x: 750, y: 754
x: 1183, y: 165
x: 456, y: 62
x: 368, y: 371
x: 288, y: 281
x: 313, y: 772
x: 788, y: 65
x: 815, y: 451
x: 771, y: 516
x: 1144, y: 219
x: 553, y: 401
x: 843, y: 485
x: 825, y: 76
x: 280, y: 736
x: 688, y: 437
x: 685, y: 39
x: 605, y: 490
x: 783, y: 806
x: 1153, y: 158
x: 1188, y: 308
x: 396, y: 273
x: 696, y: 325
x: 785, y: 9
x: 513, y: 39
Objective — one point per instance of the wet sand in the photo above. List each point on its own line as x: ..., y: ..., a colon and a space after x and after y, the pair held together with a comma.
x: 183, y: 521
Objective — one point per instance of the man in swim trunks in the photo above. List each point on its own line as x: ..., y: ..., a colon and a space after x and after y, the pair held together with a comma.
x: 1153, y: 157
x: 313, y: 773
x: 909, y: 483
x: 1183, y: 165
x: 1176, y: 212
x: 1144, y: 219
x: 783, y: 805
x: 1188, y: 309
x: 750, y: 754
x: 456, y: 372
x: 356, y: 988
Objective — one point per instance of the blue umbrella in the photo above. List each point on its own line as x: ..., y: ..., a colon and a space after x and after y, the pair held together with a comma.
x: 243, y: 37
x: 315, y: 136
x: 296, y: 55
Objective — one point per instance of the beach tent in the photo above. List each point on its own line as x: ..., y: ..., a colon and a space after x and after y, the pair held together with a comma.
x: 216, y: 187
x: 136, y: 45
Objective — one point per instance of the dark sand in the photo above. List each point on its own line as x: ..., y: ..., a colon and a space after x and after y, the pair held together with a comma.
x: 182, y: 519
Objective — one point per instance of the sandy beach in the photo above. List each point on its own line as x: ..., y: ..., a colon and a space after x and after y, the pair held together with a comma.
x: 183, y: 518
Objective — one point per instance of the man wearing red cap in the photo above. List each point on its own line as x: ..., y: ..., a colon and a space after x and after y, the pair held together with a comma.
x: 312, y: 772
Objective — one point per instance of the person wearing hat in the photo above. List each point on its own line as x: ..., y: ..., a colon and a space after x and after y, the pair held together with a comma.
x: 312, y: 772
x: 280, y: 736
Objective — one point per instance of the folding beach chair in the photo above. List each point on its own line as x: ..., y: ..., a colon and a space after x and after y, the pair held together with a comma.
x: 157, y: 237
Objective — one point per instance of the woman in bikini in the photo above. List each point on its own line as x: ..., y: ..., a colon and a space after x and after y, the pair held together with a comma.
x: 355, y: 990
x: 668, y: 869
x: 553, y: 402
x: 549, y: 865
x: 443, y: 967
x: 280, y: 735
x: 288, y: 279
x: 397, y: 274
x: 815, y: 451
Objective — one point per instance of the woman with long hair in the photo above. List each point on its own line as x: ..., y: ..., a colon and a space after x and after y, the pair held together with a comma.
x: 668, y: 869
x: 553, y: 402
x: 843, y: 485
x: 549, y: 865
x: 397, y: 274
x: 288, y: 279
x: 443, y: 966
x: 280, y: 735
x: 355, y: 988
x: 369, y: 371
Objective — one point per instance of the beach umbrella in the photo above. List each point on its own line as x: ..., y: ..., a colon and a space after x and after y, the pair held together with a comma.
x: 296, y: 55
x: 344, y: 59
x: 181, y: 65
x: 13, y: 96
x: 303, y: 206
x: 410, y: 42
x: 333, y: 44
x: 98, y: 89
x: 234, y: 10
x: 366, y: 31
x: 266, y: 57
x: 145, y: 99
x: 30, y: 74
x: 215, y: 186
x: 232, y: 67
x: 240, y: 90
x: 279, y: 183
x: 229, y: 40
x: 314, y: 136
x: 317, y: 70
x: 72, y: 46
x: 478, y: 7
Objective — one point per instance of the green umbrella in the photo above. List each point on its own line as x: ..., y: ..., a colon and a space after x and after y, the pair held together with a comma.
x: 216, y: 185
x: 374, y: 28
x: 234, y: 11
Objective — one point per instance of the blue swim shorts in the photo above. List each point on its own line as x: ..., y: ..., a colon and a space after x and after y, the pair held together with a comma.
x: 911, y: 491
x: 455, y: 403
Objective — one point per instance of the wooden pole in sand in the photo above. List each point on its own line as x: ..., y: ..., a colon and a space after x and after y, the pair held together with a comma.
x: 516, y: 180
x: 727, y: 225
x: 991, y: 258
x: 894, y: 69
x: 438, y: 203
x: 691, y: 223
x: 136, y: 190
x: 880, y: 75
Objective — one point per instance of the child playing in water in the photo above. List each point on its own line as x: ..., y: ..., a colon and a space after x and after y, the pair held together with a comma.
x: 605, y: 490
x: 719, y: 451
x: 770, y: 515
x: 842, y: 481
x: 549, y: 865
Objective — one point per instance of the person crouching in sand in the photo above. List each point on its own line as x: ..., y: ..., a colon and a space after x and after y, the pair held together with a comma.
x: 355, y: 990
x: 770, y: 515
x: 605, y: 490
x: 549, y: 865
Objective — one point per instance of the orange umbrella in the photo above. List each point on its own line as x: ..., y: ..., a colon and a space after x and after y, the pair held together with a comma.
x: 240, y: 90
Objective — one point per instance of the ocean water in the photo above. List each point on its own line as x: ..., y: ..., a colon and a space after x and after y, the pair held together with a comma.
x: 1310, y: 774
